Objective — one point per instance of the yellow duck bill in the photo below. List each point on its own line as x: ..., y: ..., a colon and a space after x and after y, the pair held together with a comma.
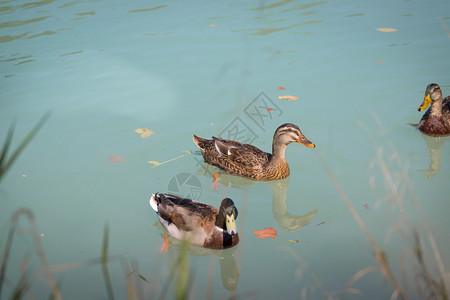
x: 425, y: 103
x: 231, y: 224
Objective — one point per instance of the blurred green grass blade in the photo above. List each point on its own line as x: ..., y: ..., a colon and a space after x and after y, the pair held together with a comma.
x: 6, y: 257
x: 7, y: 144
x: 6, y: 164
x: 106, y: 277
x: 23, y: 285
x: 178, y: 274
x: 183, y: 275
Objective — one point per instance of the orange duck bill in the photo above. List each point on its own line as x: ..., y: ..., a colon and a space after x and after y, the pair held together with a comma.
x: 305, y: 142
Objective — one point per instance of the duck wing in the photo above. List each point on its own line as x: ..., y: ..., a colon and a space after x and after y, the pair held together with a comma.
x: 185, y: 214
x: 239, y: 155
x: 446, y: 106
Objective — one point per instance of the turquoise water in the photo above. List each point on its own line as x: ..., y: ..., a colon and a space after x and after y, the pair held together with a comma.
x: 104, y: 69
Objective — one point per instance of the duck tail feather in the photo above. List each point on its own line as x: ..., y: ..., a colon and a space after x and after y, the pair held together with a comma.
x: 198, y: 141
x: 153, y: 202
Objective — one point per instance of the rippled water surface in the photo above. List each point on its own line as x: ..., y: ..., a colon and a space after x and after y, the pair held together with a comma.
x: 107, y: 68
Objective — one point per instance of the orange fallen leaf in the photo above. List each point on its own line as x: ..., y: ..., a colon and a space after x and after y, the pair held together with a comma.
x: 165, y: 245
x: 269, y: 109
x: 287, y: 97
x: 281, y: 88
x: 115, y: 158
x: 268, y: 232
x: 144, y: 132
x: 380, y: 61
x: 386, y: 29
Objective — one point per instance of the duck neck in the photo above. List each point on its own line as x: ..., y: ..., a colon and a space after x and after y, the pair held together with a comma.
x: 278, y: 151
x: 436, y: 108
x: 220, y: 220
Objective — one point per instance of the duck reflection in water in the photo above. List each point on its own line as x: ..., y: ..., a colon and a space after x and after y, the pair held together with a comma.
x: 285, y: 220
x: 435, y: 145
x: 229, y: 272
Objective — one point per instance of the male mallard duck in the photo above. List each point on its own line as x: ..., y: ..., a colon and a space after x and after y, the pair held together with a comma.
x: 199, y: 223
x: 436, y: 120
x: 246, y: 160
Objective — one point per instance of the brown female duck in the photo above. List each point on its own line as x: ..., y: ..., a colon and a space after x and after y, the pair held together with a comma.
x: 198, y: 223
x: 436, y: 120
x: 247, y: 160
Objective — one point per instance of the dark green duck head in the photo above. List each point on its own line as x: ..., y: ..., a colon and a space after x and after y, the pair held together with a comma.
x: 226, y: 219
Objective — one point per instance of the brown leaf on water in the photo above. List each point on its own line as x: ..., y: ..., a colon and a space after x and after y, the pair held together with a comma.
x: 115, y: 158
x: 268, y: 232
x: 386, y: 29
x: 144, y: 132
x: 289, y: 98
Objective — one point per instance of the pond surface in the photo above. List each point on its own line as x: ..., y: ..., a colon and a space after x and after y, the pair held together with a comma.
x: 107, y: 68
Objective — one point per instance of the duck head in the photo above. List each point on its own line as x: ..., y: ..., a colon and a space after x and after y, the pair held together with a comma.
x: 226, y: 219
x: 288, y: 133
x: 432, y: 93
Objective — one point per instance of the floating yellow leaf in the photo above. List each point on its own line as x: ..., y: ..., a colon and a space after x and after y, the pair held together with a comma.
x: 386, y: 29
x: 287, y: 97
x: 293, y: 241
x: 156, y: 163
x: 144, y: 132
x: 212, y: 25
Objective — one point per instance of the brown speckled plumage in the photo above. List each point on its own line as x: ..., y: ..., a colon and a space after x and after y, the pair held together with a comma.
x: 248, y: 161
x: 436, y: 120
x: 199, y: 223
